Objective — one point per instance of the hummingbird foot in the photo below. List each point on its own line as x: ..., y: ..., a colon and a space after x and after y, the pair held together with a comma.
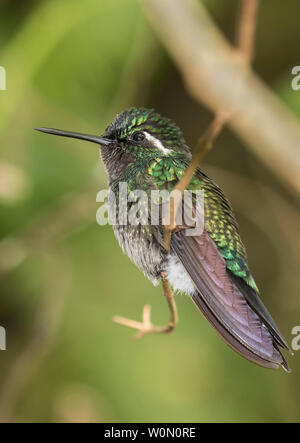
x: 146, y: 327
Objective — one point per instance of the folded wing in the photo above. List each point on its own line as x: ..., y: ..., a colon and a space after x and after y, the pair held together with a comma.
x: 221, y: 299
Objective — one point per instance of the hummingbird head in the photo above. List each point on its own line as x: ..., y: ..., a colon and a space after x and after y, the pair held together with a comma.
x: 134, y: 134
x: 144, y: 133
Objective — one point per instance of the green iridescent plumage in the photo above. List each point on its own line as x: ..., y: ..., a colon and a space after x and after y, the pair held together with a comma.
x: 139, y: 119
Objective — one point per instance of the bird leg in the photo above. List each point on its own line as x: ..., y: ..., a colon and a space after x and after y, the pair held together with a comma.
x: 146, y: 327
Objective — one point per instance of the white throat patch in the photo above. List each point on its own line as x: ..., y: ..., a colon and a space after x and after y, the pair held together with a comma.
x: 157, y: 143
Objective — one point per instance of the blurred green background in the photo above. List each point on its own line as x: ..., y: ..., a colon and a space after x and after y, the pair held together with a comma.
x: 74, y: 65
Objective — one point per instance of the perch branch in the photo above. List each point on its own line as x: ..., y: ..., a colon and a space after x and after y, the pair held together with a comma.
x: 216, y: 74
x: 245, y: 45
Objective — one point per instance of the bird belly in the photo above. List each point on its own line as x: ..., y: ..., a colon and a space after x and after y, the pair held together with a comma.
x: 142, y: 249
x: 178, y: 277
x: 139, y: 243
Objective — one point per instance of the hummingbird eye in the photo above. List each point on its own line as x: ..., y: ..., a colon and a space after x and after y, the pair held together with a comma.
x: 138, y: 136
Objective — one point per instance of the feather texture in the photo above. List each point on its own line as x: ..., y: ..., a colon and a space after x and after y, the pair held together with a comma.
x: 222, y: 302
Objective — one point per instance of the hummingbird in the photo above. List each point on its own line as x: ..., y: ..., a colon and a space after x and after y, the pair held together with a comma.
x: 149, y: 152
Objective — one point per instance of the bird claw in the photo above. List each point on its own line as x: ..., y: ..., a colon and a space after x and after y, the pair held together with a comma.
x: 145, y: 327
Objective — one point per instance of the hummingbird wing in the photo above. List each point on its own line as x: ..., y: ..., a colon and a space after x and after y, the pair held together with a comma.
x: 227, y: 294
x: 222, y: 302
x: 223, y: 228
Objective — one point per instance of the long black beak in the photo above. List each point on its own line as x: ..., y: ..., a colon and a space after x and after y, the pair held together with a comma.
x: 91, y: 138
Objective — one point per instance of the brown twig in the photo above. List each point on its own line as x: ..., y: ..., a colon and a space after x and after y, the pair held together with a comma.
x: 204, y: 144
x: 247, y: 28
x: 216, y: 74
x: 245, y: 45
x: 146, y: 327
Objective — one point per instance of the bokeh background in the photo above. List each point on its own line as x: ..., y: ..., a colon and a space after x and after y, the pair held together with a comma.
x: 74, y: 65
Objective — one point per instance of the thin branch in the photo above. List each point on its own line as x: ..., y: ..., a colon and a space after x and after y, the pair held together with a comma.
x: 245, y: 44
x: 215, y: 74
x: 247, y: 28
x: 146, y: 327
x: 204, y: 144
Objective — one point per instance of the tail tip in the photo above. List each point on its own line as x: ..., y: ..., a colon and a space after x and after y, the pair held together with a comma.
x: 285, y: 366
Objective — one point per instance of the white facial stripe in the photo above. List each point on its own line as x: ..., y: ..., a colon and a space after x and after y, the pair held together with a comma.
x: 157, y: 143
